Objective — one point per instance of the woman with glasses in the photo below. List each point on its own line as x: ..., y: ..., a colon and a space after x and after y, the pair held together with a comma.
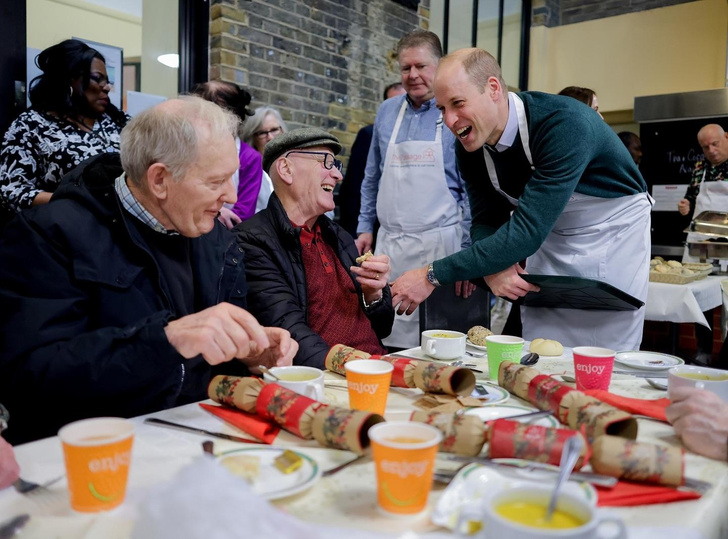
x: 70, y: 120
x: 265, y: 125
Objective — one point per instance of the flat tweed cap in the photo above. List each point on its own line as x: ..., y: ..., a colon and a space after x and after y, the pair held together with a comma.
x: 306, y: 137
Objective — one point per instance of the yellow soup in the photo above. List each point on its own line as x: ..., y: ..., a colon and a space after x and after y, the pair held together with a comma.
x: 445, y: 335
x: 532, y: 514
x: 697, y: 376
x: 297, y: 376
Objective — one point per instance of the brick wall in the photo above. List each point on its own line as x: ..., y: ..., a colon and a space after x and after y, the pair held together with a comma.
x: 321, y: 63
x: 560, y: 12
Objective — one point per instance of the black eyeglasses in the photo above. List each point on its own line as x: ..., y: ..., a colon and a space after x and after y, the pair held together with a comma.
x: 99, y: 79
x: 262, y: 134
x: 329, y: 161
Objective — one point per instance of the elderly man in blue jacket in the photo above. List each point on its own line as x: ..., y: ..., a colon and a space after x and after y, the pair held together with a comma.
x: 118, y: 296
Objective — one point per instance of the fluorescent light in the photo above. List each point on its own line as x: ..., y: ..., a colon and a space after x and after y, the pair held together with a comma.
x: 170, y: 60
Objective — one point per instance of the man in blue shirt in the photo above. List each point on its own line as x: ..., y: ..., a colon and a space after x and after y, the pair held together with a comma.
x: 411, y: 183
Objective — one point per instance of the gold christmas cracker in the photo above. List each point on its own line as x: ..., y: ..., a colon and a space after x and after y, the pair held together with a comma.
x: 235, y: 391
x: 341, y: 428
x: 637, y: 461
x: 339, y: 354
x: 462, y: 434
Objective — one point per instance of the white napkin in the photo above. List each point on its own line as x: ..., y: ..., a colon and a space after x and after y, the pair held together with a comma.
x: 205, y: 500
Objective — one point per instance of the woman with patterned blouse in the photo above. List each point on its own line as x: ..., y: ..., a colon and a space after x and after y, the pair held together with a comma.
x: 71, y: 119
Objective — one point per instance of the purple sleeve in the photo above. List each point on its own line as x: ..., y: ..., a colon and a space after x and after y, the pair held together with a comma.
x: 251, y: 174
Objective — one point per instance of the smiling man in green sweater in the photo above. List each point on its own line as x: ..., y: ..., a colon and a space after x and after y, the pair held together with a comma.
x: 549, y: 182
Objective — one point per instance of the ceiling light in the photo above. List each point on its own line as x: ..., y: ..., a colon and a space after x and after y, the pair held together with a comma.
x: 170, y: 60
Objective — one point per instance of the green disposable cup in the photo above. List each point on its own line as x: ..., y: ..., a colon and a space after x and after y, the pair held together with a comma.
x: 502, y: 348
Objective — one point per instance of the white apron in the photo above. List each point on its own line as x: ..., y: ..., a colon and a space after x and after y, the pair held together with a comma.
x: 419, y: 218
x: 713, y: 196
x: 596, y: 238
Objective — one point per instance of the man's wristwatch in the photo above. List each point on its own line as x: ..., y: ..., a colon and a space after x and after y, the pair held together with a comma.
x: 373, y: 303
x: 431, y: 276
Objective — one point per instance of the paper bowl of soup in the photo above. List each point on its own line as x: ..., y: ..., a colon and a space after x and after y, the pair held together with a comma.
x: 520, y: 513
x: 714, y: 380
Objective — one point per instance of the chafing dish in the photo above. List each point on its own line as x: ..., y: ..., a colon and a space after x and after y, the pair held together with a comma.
x: 713, y: 241
x: 710, y: 222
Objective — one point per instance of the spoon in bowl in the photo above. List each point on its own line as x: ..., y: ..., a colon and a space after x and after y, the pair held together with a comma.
x: 569, y: 456
x: 266, y: 370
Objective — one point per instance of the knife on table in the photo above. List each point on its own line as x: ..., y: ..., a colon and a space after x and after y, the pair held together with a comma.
x: 168, y: 424
x: 642, y: 374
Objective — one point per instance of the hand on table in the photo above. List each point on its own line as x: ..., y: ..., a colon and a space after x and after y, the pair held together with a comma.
x: 9, y: 469
x: 410, y: 289
x: 364, y: 242
x: 228, y: 218
x: 508, y: 283
x: 683, y: 206
x: 373, y: 276
x: 700, y: 418
x: 224, y: 332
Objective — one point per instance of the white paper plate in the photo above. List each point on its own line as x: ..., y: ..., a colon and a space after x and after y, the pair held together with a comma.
x: 271, y: 483
x: 495, y: 394
x: 474, y: 482
x: 476, y: 346
x: 650, y: 361
x: 501, y: 411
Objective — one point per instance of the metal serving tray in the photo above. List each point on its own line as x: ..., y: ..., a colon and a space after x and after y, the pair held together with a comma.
x: 708, y: 249
x: 711, y: 222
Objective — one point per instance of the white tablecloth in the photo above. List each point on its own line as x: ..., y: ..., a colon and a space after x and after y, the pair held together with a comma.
x: 347, y: 499
x: 683, y: 302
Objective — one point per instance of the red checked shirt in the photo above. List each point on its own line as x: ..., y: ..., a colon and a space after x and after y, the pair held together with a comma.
x: 333, y: 306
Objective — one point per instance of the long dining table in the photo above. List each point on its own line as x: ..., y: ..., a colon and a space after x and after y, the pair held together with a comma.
x: 348, y: 498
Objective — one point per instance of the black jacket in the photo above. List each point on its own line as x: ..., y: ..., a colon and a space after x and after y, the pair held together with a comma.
x: 83, y: 313
x: 277, y: 281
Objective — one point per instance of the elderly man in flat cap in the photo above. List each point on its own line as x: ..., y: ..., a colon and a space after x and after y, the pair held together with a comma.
x: 301, y: 267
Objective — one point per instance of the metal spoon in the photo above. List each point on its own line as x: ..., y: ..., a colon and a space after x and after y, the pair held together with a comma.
x: 530, y: 359
x: 266, y: 370
x: 569, y: 456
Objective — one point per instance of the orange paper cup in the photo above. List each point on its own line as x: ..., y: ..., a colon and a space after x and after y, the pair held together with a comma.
x: 368, y: 382
x: 97, y: 453
x: 404, y: 458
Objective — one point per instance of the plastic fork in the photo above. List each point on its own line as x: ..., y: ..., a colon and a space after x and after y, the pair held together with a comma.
x: 26, y: 487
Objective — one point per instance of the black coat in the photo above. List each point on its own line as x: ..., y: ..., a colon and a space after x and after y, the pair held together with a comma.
x: 277, y: 281
x: 83, y: 313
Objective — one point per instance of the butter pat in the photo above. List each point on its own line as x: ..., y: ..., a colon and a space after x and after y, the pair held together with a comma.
x: 288, y: 462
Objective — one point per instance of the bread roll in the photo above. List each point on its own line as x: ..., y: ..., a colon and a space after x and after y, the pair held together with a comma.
x: 477, y: 335
x: 365, y: 256
x: 547, y: 347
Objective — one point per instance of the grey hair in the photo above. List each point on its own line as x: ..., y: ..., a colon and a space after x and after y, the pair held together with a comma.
x: 171, y: 133
x: 254, y: 123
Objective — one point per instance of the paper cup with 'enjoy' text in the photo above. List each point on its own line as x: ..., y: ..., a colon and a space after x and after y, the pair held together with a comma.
x: 98, y: 454
x: 502, y: 348
x: 404, y: 459
x: 368, y: 382
x: 593, y: 367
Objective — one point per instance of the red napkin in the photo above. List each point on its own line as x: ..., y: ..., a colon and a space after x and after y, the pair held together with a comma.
x: 249, y: 423
x: 651, y: 408
x: 626, y: 494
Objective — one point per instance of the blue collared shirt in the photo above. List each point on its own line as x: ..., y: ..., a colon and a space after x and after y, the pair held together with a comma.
x: 132, y: 205
x: 508, y: 136
x: 420, y: 124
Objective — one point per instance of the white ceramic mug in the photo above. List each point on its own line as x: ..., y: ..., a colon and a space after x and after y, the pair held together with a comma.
x: 495, y: 525
x: 714, y: 380
x: 443, y: 343
x: 307, y: 381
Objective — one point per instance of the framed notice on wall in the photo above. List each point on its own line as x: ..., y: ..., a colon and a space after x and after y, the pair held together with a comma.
x: 114, y: 57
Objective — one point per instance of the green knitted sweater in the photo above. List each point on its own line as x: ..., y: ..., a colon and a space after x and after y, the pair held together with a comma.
x: 573, y: 150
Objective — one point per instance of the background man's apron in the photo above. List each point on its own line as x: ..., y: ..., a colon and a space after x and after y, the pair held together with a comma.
x: 597, y: 238
x: 420, y: 220
x: 713, y: 196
